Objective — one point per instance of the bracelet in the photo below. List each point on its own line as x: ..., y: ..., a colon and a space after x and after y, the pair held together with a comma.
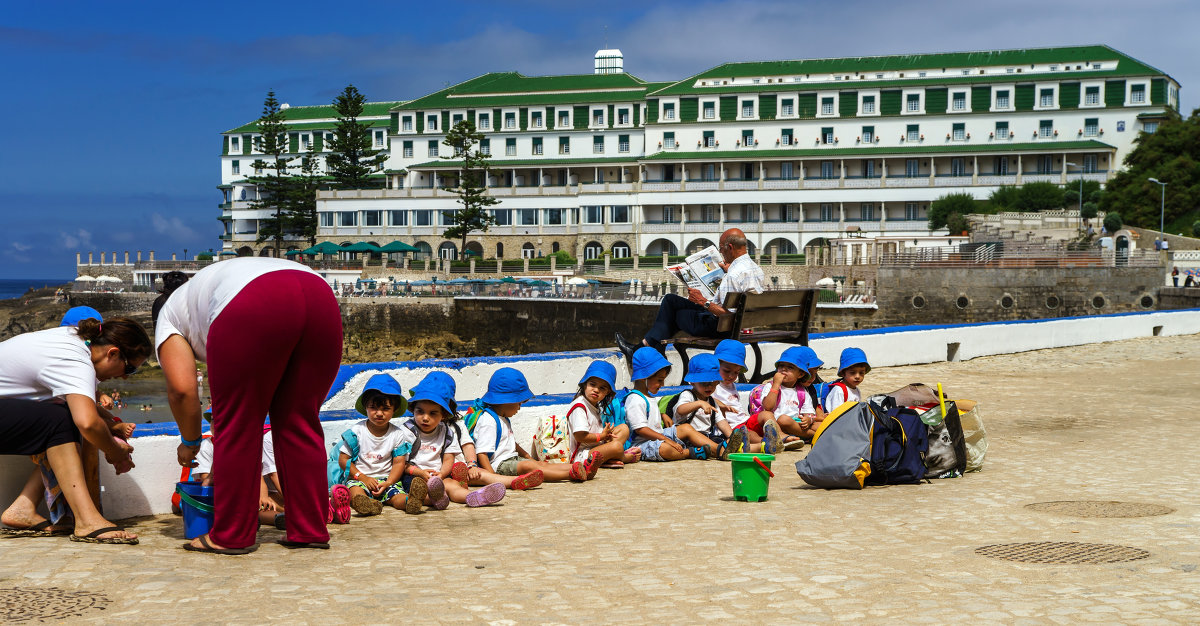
x: 190, y: 443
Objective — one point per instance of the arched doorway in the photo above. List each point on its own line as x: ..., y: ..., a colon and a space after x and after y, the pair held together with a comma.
x: 698, y: 244
x: 781, y: 246
x: 620, y: 250
x: 527, y: 250
x: 659, y: 246
x: 268, y: 251
x: 448, y: 251
x: 592, y: 250
x: 475, y: 249
x: 424, y: 250
x: 245, y: 251
x: 499, y: 250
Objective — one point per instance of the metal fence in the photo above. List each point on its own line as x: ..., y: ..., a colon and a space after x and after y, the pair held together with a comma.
x: 1008, y: 257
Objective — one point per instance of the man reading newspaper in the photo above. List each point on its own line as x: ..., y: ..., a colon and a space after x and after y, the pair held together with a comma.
x: 697, y: 314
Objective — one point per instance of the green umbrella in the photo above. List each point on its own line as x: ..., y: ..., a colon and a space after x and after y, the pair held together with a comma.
x: 472, y: 253
x: 293, y: 252
x: 325, y: 247
x: 399, y: 246
x: 508, y: 279
x: 361, y: 246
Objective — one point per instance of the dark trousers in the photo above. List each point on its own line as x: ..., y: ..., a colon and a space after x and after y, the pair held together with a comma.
x: 675, y: 314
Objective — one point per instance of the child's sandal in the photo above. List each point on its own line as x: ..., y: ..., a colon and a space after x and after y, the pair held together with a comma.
x: 459, y: 471
x: 578, y: 472
x: 418, y: 489
x: 527, y: 481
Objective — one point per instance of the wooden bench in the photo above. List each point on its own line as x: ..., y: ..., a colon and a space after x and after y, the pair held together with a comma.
x: 754, y: 311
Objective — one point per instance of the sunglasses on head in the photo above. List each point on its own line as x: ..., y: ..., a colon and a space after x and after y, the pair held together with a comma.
x: 130, y: 370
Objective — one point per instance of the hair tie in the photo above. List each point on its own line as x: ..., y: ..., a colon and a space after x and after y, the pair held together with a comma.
x: 100, y: 328
x: 87, y: 342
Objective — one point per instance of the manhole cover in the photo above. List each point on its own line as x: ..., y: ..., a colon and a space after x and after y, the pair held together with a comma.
x: 1068, y: 552
x: 47, y: 604
x: 1099, y: 508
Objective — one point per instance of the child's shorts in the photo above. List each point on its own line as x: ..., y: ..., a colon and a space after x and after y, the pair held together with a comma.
x: 508, y: 467
x: 391, y: 492
x: 650, y: 447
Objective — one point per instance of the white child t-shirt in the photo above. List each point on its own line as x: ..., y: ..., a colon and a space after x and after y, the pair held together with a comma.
x: 639, y: 415
x: 703, y: 419
x: 583, y: 419
x: 727, y: 394
x: 837, y: 398
x: 46, y: 364
x: 790, y: 403
x: 485, y: 438
x: 268, y: 460
x: 204, y: 457
x: 375, y: 453
x: 427, y: 449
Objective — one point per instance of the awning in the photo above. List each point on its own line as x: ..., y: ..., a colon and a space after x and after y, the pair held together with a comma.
x: 399, y: 246
x: 361, y: 246
x: 325, y: 247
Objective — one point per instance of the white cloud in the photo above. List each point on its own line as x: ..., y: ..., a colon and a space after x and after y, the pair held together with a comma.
x: 79, y: 240
x: 21, y: 247
x: 171, y: 227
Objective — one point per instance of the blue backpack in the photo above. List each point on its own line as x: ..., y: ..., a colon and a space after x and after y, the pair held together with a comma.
x: 899, y: 443
x: 337, y: 474
x: 614, y: 414
x: 476, y: 411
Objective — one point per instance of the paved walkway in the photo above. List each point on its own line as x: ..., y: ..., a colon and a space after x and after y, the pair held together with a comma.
x: 666, y: 543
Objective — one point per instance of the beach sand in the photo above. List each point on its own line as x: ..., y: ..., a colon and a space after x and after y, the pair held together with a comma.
x: 666, y: 542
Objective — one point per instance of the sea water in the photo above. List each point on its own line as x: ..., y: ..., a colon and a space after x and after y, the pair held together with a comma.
x: 16, y: 287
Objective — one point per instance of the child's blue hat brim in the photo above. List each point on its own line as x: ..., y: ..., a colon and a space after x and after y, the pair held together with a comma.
x: 507, y: 385
x: 77, y: 314
x: 703, y: 368
x: 731, y: 351
x: 647, y: 362
x: 603, y: 370
x: 795, y: 356
x: 385, y: 384
x: 808, y: 357
x: 440, y: 378
x: 852, y: 357
x: 436, y: 393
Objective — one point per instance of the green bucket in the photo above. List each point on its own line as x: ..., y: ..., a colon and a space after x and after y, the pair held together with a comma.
x: 751, y: 476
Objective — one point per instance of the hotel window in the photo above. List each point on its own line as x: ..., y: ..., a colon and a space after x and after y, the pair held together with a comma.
x: 668, y: 213
x: 868, y: 169
x: 1045, y: 164
x: 912, y: 168
x: 326, y: 219
x: 747, y: 138
x: 620, y: 251
x: 431, y: 123
x: 1150, y: 126
x: 485, y: 121
x: 423, y: 217
x: 1046, y: 128
x: 827, y: 170
x: 1046, y: 98
x: 372, y: 218
x: 1089, y: 164
x: 554, y: 216
x: 1002, y: 99
x: 1137, y: 94
x: 958, y: 166
x: 485, y: 147
x: 710, y: 110
x: 1001, y: 130
x: 709, y: 172
x: 564, y: 119
x: 598, y: 144
x: 535, y: 119
x: 455, y: 119
x: 668, y: 110
x: 593, y: 214
x: 347, y: 218
x: 785, y: 137
x: 406, y: 123
x: 747, y: 108
x: 914, y: 132
x: 958, y: 102
x: 398, y: 218
x: 622, y: 143
x: 787, y: 107
x: 868, y: 134
x: 510, y: 120
x: 826, y: 212
x: 620, y: 214
x: 710, y: 139
x: 960, y: 132
x: 503, y: 217
x: 826, y: 106
x: 407, y: 149
x: 433, y: 148
x: 786, y: 171
x: 537, y: 145
x: 622, y: 116
x: 564, y: 145
x: 234, y: 144
x: 378, y: 139
x: 306, y: 140
x: 709, y: 214
x: 1091, y: 126
x: 868, y: 104
x: 1091, y: 96
x: 866, y: 211
x: 788, y: 212
x: 527, y: 217
x: 912, y: 211
x: 236, y: 167
x: 827, y: 135
x: 668, y: 140
x: 1000, y: 166
x: 598, y: 117
x: 510, y: 146
x: 914, y: 102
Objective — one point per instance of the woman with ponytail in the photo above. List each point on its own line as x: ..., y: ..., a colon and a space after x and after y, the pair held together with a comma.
x: 48, y: 400
x: 271, y: 333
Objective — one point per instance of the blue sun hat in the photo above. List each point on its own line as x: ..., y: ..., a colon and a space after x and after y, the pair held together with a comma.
x: 647, y: 362
x: 703, y: 368
x: 852, y: 357
x: 731, y: 351
x: 385, y: 384
x: 603, y: 370
x: 438, y: 378
x: 77, y: 314
x: 794, y: 356
x: 506, y: 386
x: 437, y: 393
x: 804, y: 357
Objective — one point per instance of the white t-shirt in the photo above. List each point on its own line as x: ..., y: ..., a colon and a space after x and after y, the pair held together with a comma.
x: 204, y: 457
x: 585, y: 419
x: 375, y: 453
x: 790, y: 404
x: 727, y: 394
x: 702, y: 419
x: 485, y: 439
x: 268, y: 460
x: 744, y: 276
x: 638, y: 416
x: 191, y: 310
x: 46, y: 364
x: 836, y: 398
x: 425, y: 450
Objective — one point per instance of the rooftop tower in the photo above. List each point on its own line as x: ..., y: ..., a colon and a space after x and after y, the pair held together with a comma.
x: 609, y: 62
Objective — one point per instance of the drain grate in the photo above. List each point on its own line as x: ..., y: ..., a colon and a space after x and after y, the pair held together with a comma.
x: 1099, y: 508
x: 19, y: 604
x: 1062, y: 552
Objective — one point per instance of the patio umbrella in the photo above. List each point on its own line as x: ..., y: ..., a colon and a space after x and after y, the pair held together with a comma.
x: 325, y: 247
x: 399, y: 246
x: 84, y: 279
x: 508, y: 279
x: 228, y: 253
x: 293, y: 252
x: 538, y: 283
x: 575, y: 280
x: 361, y: 246
x: 107, y: 279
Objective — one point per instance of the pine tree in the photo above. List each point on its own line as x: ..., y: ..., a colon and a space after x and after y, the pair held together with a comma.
x: 301, y: 214
x: 464, y: 141
x: 351, y: 159
x: 271, y: 172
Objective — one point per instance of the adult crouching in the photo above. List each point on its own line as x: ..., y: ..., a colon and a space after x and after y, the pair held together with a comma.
x: 271, y: 333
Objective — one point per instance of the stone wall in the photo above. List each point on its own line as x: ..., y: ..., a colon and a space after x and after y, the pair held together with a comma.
x: 1175, y: 298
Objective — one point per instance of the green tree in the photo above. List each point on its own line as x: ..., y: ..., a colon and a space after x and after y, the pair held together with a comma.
x: 1040, y: 197
x: 464, y: 140
x: 301, y: 206
x: 271, y: 173
x: 953, y: 204
x: 1112, y: 222
x: 1171, y: 154
x: 1090, y: 209
x: 1006, y: 197
x: 351, y: 159
x: 1196, y: 229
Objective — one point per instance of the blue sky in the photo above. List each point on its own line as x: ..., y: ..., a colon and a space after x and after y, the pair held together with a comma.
x: 114, y: 109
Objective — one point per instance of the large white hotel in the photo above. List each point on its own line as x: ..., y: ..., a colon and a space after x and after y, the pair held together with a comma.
x: 794, y: 153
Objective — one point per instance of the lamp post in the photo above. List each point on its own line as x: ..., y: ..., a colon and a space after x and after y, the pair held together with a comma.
x: 1080, y: 194
x: 1162, y: 206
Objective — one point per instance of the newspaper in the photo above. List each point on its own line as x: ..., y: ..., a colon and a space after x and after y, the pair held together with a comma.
x: 701, y: 271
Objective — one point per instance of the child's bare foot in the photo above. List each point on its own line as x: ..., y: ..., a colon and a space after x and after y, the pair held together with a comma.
x: 632, y: 455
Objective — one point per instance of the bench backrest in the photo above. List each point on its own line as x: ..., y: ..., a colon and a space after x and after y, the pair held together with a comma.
x: 770, y: 308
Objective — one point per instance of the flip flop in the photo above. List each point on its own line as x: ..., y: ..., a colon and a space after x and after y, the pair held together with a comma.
x: 490, y: 494
x: 208, y: 547
x: 635, y: 454
x: 792, y: 442
x: 40, y: 529
x: 292, y: 545
x: 94, y: 537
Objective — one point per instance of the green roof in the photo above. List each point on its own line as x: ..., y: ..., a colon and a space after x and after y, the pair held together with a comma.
x: 499, y: 89
x: 1056, y: 146
x: 321, y: 112
x: 515, y: 82
x: 527, y: 162
x: 1126, y: 66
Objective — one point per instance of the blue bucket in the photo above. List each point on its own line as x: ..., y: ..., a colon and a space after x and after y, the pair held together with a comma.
x: 196, y: 502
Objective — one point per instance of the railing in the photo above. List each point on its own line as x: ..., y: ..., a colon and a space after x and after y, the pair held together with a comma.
x: 951, y: 181
x: 1027, y: 257
x: 822, y: 183
x: 906, y: 181
x: 702, y: 185
x: 171, y: 265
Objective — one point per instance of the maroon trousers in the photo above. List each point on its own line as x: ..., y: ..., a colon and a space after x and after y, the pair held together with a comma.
x: 275, y: 348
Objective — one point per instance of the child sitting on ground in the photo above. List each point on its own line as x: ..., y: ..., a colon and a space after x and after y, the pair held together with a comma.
x: 697, y: 414
x: 374, y: 466
x: 656, y: 441
x: 731, y: 354
x: 785, y: 398
x: 852, y: 369
x: 270, y: 511
x: 594, y: 443
x: 497, y: 450
x: 435, y: 446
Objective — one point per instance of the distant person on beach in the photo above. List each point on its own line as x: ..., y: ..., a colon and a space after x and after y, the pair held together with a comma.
x: 271, y: 332
x: 48, y: 405
x: 695, y: 315
x: 1175, y: 276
